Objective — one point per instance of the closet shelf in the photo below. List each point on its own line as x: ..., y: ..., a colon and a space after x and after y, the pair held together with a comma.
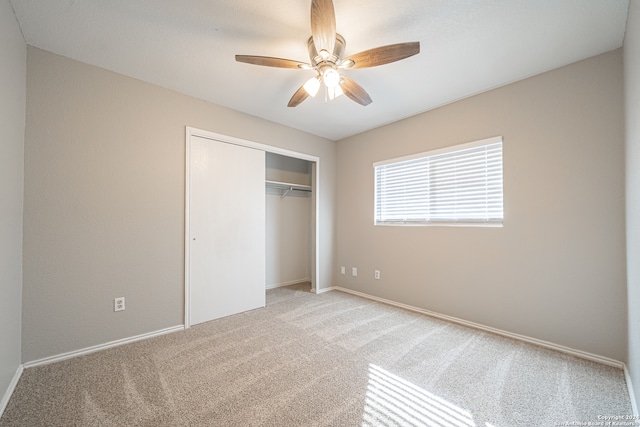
x: 288, y: 186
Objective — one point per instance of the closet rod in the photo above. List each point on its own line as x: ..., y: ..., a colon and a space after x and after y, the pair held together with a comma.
x: 287, y: 186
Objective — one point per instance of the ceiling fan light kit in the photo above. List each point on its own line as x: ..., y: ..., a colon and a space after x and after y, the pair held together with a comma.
x: 326, y: 50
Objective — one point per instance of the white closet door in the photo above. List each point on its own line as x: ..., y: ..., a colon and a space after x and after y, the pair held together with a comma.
x: 227, y: 229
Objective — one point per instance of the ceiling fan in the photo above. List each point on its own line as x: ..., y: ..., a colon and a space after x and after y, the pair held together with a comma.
x: 326, y: 48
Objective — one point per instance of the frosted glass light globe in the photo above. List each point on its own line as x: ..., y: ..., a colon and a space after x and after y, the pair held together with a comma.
x: 331, y: 77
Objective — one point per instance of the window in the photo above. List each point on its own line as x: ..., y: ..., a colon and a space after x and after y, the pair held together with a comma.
x: 456, y: 185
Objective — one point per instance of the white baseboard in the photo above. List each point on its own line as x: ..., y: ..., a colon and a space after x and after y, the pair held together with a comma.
x: 93, y: 349
x: 546, y: 344
x: 290, y: 282
x: 567, y: 350
x: 12, y: 386
x: 632, y: 395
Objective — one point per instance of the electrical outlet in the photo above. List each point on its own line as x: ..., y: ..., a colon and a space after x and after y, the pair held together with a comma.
x: 343, y: 270
x: 376, y: 274
x: 118, y: 304
x: 354, y: 271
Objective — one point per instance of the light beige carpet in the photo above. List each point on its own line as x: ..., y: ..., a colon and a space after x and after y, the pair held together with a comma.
x: 320, y: 360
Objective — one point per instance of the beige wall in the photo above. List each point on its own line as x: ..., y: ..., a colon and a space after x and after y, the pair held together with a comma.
x: 104, y: 201
x: 556, y: 270
x: 13, y: 63
x: 632, y: 109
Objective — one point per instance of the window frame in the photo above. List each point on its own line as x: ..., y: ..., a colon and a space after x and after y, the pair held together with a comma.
x: 499, y: 222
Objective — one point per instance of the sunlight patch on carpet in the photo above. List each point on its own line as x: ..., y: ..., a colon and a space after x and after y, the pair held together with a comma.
x: 391, y: 400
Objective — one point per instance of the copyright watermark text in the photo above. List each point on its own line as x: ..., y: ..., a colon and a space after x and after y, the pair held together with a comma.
x: 604, y: 421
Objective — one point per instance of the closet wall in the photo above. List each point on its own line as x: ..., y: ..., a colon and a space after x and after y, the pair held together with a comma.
x: 288, y: 222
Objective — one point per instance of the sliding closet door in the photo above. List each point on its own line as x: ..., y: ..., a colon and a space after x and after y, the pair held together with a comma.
x: 227, y: 229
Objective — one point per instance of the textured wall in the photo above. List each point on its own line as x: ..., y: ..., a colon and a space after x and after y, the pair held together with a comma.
x: 632, y: 152
x: 104, y: 201
x: 13, y: 71
x: 556, y: 270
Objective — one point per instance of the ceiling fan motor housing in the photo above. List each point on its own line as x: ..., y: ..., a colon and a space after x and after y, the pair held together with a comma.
x: 334, y: 58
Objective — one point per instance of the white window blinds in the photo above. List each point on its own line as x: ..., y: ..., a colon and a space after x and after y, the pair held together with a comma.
x: 456, y: 185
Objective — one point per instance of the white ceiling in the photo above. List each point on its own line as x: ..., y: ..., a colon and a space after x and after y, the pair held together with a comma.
x: 467, y: 47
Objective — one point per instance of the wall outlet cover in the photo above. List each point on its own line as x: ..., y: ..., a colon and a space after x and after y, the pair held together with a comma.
x: 118, y: 304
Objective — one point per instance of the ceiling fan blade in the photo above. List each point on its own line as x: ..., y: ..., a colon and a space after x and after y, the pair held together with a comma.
x: 323, y: 25
x: 300, y: 95
x: 269, y: 61
x: 382, y: 55
x: 354, y: 91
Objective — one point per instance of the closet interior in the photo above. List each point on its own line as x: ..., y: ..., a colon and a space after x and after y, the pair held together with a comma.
x: 288, y: 205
